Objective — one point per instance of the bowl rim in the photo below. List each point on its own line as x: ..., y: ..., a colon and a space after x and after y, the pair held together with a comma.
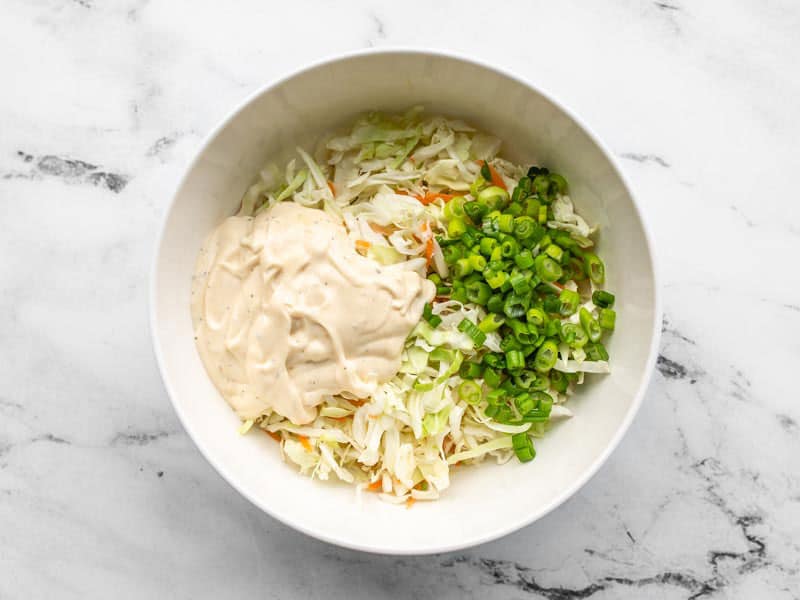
x: 467, y: 542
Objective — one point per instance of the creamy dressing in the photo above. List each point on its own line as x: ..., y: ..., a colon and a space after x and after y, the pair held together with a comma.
x: 287, y: 313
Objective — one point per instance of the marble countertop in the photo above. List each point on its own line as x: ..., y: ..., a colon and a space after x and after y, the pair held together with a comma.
x: 101, y: 492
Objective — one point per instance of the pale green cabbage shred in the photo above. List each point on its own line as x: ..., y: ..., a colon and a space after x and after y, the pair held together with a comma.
x: 404, y: 440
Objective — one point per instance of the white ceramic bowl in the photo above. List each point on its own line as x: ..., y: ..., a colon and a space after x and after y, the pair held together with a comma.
x: 485, y: 502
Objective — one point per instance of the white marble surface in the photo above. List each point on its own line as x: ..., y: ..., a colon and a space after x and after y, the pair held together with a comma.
x: 102, y: 105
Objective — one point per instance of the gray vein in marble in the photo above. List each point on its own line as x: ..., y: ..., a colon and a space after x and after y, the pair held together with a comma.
x: 501, y: 572
x: 162, y: 144
x: 380, y: 31
x: 139, y: 438
x: 70, y: 170
x: 674, y: 333
x: 665, y: 6
x: 671, y: 369
x: 645, y: 158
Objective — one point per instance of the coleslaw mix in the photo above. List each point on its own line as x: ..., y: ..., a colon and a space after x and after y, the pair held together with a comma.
x: 431, y: 194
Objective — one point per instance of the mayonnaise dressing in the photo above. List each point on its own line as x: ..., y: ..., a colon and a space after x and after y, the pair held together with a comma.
x: 286, y: 312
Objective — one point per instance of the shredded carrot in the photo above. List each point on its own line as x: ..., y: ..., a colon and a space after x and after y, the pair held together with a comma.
x: 410, y: 501
x: 381, y: 229
x: 306, y: 444
x: 331, y: 188
x: 357, y: 402
x: 433, y: 196
x: 274, y: 435
x: 375, y: 486
x: 428, y: 252
x: 362, y: 245
x: 496, y: 179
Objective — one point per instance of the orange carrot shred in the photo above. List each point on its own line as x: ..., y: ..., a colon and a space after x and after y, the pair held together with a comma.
x: 375, y: 486
x: 331, y: 188
x: 274, y: 435
x: 496, y: 179
x: 381, y: 229
x: 362, y: 245
x: 410, y: 501
x: 306, y: 444
x: 428, y: 252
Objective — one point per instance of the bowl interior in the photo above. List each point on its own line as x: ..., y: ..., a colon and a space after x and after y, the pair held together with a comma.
x: 482, y: 503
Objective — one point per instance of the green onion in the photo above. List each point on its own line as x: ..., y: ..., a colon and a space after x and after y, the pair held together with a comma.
x: 478, y: 292
x: 462, y: 268
x: 491, y: 322
x: 520, y: 284
x: 495, y: 360
x: 524, y: 259
x: 596, y: 352
x: 471, y: 236
x: 595, y: 268
x: 509, y: 342
x: 432, y: 319
x: 494, y: 197
x: 532, y: 208
x: 515, y: 306
x: 546, y: 268
x: 543, y: 400
x: 542, y: 215
x: 489, y: 226
x: 608, y: 317
x: 554, y: 252
x: 590, y: 325
x: 552, y: 327
x: 569, y: 302
x: 471, y: 370
x: 505, y: 223
x: 524, y: 403
x: 551, y: 304
x: 603, y: 299
x: 560, y: 182
x: 515, y: 360
x: 477, y: 261
x: 476, y: 211
x: 558, y: 381
x: 496, y: 280
x: 546, y: 357
x: 459, y: 295
x: 487, y: 244
x: 434, y: 277
x: 509, y: 248
x: 522, y: 331
x: 495, y: 303
x: 475, y: 334
x: 523, y: 447
x: 452, y: 253
x: 514, y: 210
x: 524, y: 227
x: 470, y: 392
x: 456, y: 227
x: 442, y: 290
x: 536, y: 316
x: 454, y: 208
x: 531, y: 380
x: 491, y: 377
x: 573, y: 335
x: 541, y: 382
